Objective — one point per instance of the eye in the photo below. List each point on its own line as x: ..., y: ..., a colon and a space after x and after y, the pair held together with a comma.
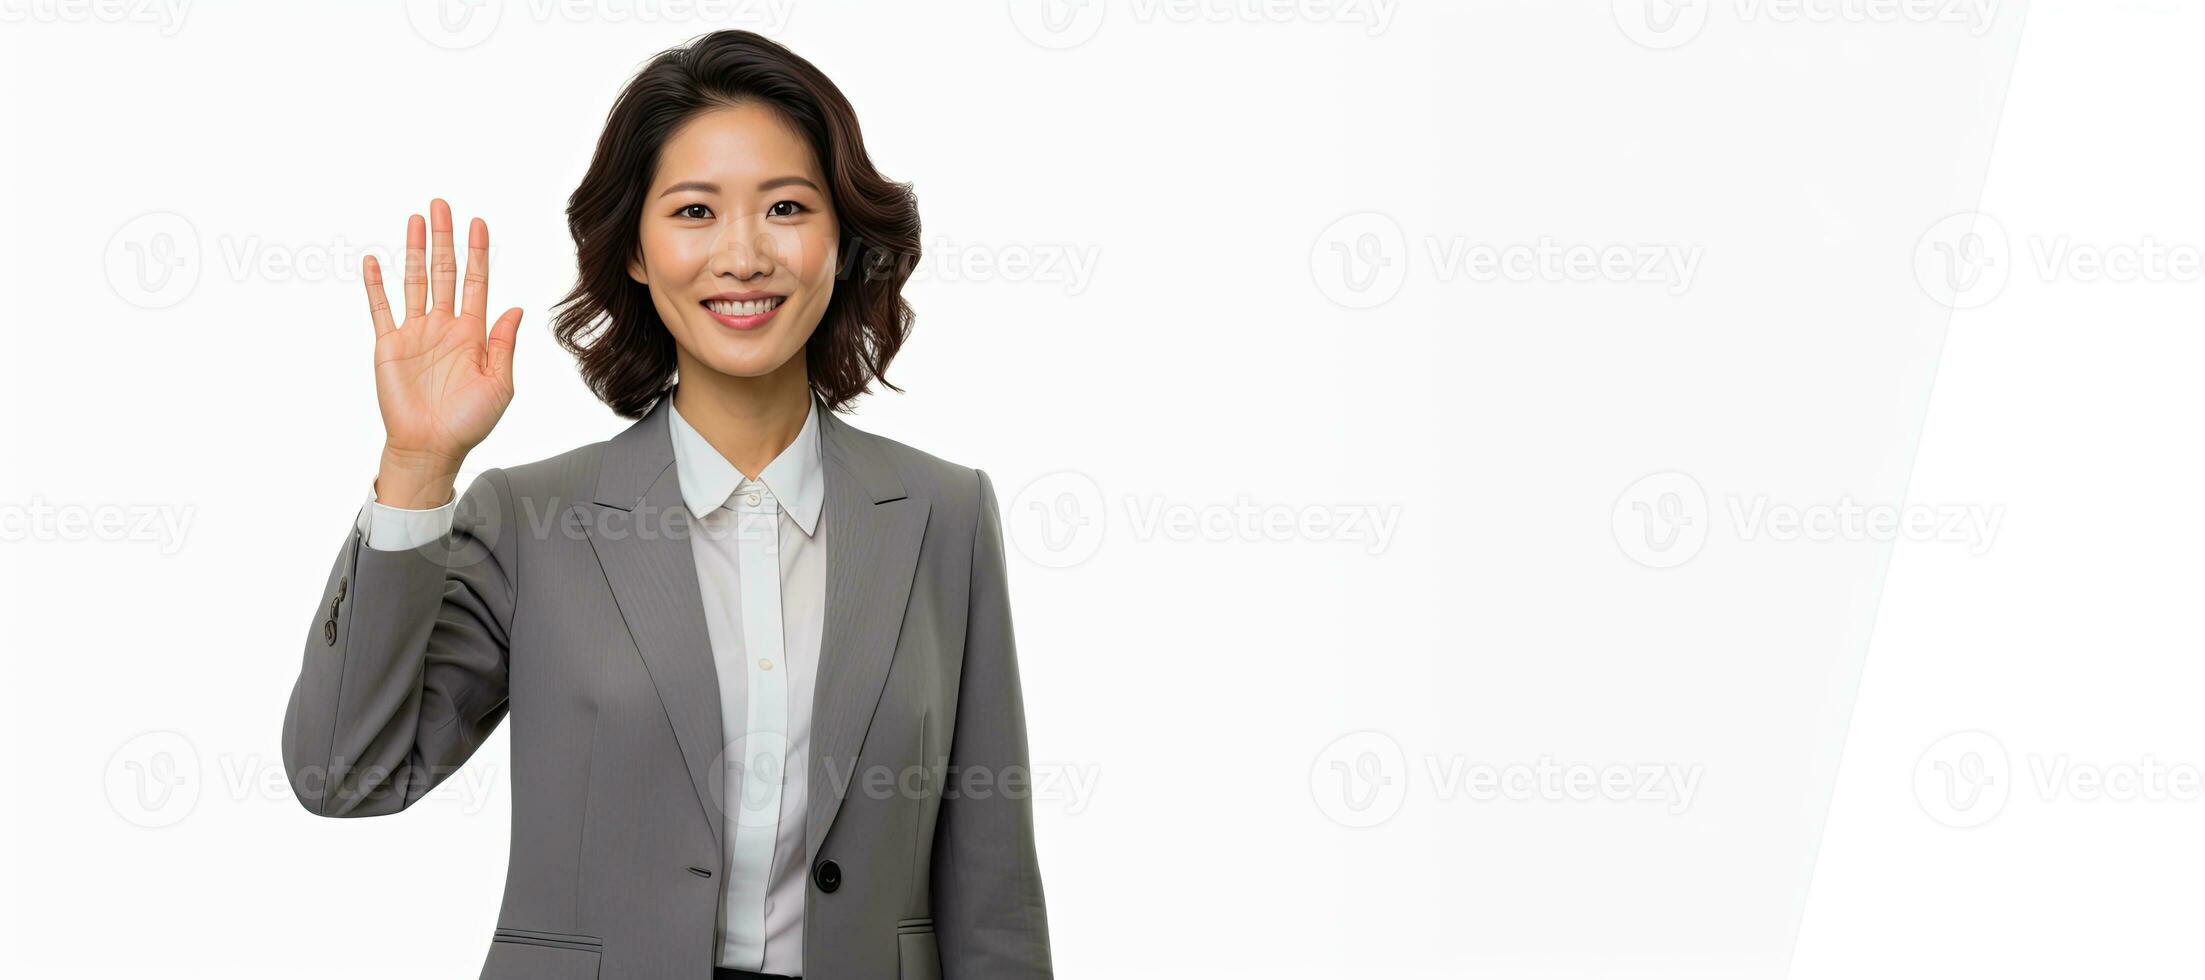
x: 776, y: 212
x: 684, y: 212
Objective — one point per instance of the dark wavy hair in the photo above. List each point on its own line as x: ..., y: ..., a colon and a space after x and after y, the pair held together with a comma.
x: 608, y: 322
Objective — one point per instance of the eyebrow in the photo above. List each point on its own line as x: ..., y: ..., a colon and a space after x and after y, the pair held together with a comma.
x: 712, y: 188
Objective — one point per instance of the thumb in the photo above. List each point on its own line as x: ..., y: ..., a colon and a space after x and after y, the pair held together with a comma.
x: 503, y: 335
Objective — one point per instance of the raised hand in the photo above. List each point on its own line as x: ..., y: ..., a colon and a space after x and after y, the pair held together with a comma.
x: 442, y: 380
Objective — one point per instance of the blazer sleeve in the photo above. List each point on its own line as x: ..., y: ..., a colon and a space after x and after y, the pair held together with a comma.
x: 404, y: 673
x: 989, y: 916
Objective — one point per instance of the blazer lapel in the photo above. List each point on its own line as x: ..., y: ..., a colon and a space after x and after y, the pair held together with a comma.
x: 873, y: 532
x: 640, y: 531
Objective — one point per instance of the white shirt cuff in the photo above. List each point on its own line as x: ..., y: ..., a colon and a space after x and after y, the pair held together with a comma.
x: 400, y: 528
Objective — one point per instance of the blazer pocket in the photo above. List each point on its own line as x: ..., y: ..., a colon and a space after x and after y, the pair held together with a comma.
x: 539, y: 937
x: 917, y: 955
x: 528, y: 956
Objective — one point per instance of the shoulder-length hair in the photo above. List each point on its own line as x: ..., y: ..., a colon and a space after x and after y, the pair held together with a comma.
x: 608, y: 321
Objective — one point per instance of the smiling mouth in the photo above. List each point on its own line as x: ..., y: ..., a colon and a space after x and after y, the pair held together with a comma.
x: 743, y: 314
x: 744, y: 307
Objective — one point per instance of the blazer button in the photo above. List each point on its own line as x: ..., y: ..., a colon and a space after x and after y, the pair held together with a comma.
x: 829, y: 876
x: 329, y: 631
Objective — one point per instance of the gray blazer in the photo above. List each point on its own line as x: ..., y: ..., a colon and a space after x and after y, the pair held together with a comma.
x: 566, y: 595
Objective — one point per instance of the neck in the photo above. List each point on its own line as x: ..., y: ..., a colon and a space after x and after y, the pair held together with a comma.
x: 749, y: 420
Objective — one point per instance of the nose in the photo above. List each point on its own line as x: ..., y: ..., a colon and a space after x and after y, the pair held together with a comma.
x: 743, y: 250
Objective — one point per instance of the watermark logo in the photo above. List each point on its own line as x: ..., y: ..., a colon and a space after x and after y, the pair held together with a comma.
x: 1660, y: 24
x: 1664, y: 24
x: 1061, y: 24
x: 454, y: 24
x: 1664, y: 519
x: 1661, y: 520
x: 157, y: 260
x: 1057, y: 24
x: 1973, y: 526
x: 153, y: 780
x: 157, y: 779
x: 1058, y: 520
x: 458, y: 24
x: 1362, y: 779
x: 755, y: 765
x: 477, y: 518
x: 1548, y: 260
x: 1359, y: 261
x: 1071, y: 787
x: 1964, y: 260
x: 1966, y: 780
x: 166, y: 15
x: 1062, y: 519
x: 1976, y: 16
x: 153, y: 261
x: 1963, y: 780
x: 36, y: 520
x: 1068, y: 265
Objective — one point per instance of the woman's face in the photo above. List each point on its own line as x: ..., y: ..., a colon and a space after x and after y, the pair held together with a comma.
x: 738, y: 241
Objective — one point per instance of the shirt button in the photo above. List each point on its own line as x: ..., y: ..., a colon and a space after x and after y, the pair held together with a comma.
x: 753, y: 498
x: 764, y: 664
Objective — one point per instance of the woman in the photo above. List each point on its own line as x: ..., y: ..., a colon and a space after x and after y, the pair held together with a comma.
x: 765, y: 698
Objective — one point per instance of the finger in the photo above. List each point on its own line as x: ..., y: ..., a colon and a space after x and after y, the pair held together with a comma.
x: 475, y: 295
x: 417, y: 268
x: 503, y: 337
x: 378, y: 299
x: 443, y: 266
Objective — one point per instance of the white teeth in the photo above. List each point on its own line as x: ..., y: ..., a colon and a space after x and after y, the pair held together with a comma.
x: 748, y: 307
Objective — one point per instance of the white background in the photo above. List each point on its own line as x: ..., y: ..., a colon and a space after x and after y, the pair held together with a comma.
x: 1255, y: 231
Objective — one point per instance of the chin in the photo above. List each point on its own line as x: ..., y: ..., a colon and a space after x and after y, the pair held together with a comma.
x: 746, y: 363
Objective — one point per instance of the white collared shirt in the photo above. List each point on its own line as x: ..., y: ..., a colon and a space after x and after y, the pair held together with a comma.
x: 761, y: 562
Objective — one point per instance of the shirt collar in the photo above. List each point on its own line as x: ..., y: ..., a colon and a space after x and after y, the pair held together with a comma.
x: 796, y: 478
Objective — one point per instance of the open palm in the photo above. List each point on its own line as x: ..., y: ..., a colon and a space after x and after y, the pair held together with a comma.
x: 442, y: 380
